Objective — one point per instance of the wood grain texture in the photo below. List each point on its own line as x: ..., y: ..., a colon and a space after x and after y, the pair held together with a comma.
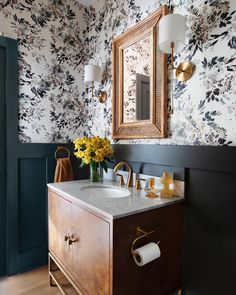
x: 59, y: 226
x: 86, y: 261
x: 90, y: 255
x: 157, y: 125
x: 35, y: 282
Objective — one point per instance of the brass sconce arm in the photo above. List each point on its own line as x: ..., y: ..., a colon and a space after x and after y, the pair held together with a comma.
x: 92, y: 88
x: 93, y: 73
x: 184, y: 70
x: 102, y: 97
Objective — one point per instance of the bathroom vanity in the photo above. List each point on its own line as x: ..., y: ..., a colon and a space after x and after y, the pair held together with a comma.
x: 91, y: 231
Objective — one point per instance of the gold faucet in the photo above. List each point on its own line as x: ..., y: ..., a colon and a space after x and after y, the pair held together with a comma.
x: 130, y: 176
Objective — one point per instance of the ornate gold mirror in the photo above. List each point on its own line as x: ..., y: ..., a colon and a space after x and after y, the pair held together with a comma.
x: 139, y: 81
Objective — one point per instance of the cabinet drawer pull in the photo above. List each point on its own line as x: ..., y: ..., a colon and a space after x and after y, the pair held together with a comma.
x: 73, y: 240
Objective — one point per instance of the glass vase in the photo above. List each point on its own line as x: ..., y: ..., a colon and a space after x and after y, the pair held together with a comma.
x: 94, y: 172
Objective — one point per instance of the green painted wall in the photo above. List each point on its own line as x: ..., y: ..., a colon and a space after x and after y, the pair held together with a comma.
x: 2, y: 164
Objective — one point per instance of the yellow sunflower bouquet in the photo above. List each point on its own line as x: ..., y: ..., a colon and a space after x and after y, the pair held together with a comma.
x: 93, y: 151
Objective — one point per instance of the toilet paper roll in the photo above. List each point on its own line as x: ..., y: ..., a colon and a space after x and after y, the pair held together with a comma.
x: 146, y: 254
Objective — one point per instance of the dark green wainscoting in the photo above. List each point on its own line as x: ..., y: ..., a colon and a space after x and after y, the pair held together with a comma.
x: 2, y: 162
x: 8, y: 131
x: 28, y: 213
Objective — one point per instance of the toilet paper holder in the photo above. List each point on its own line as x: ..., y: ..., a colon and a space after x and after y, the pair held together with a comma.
x: 142, y: 234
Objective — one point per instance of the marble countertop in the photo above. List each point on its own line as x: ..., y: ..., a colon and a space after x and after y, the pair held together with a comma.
x: 111, y: 208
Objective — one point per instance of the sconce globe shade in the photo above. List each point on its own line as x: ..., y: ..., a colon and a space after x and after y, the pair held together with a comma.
x: 172, y: 29
x: 92, y: 73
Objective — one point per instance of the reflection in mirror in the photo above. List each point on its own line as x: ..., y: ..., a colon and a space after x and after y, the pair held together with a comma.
x: 136, y: 89
x: 142, y: 97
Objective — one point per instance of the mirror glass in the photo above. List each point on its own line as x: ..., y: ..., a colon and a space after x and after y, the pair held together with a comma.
x: 136, y: 72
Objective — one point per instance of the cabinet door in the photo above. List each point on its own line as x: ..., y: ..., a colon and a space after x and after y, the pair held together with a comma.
x: 90, y: 254
x: 59, y: 227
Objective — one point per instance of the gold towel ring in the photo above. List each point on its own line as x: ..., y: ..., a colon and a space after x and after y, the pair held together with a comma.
x: 59, y: 148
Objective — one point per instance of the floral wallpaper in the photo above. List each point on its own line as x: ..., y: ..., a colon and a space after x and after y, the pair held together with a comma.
x: 52, y: 44
x: 58, y: 37
x: 204, y: 106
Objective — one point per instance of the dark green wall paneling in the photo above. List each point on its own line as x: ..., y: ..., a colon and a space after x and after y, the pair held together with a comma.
x: 36, y: 167
x: 9, y: 76
x: 32, y: 207
x: 2, y: 163
x: 218, y: 158
x: 11, y: 79
x: 210, y: 256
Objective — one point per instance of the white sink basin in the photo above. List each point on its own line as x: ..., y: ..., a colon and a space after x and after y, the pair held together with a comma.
x: 105, y: 191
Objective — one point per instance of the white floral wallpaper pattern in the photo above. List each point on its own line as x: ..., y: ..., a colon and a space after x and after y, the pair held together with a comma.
x: 205, y: 106
x: 57, y: 37
x: 52, y: 50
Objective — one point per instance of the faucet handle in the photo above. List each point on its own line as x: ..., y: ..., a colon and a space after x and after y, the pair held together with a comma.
x: 121, y: 181
x: 138, y: 185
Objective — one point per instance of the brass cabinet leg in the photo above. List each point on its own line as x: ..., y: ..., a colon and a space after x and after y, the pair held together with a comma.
x: 52, y: 284
x: 50, y: 268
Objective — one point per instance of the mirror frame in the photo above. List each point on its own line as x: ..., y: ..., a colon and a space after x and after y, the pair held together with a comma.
x: 156, y: 127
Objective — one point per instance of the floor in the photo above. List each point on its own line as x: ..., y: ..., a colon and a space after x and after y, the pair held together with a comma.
x: 34, y: 282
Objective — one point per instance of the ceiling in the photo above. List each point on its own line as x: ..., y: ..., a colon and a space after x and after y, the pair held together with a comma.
x: 87, y: 2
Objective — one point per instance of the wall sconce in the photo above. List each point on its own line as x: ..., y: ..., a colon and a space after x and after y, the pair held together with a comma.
x: 172, y: 38
x: 93, y: 73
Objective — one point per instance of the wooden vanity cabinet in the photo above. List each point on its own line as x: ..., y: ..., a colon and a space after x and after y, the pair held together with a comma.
x: 98, y: 260
x: 59, y: 228
x: 90, y: 255
x: 79, y: 244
